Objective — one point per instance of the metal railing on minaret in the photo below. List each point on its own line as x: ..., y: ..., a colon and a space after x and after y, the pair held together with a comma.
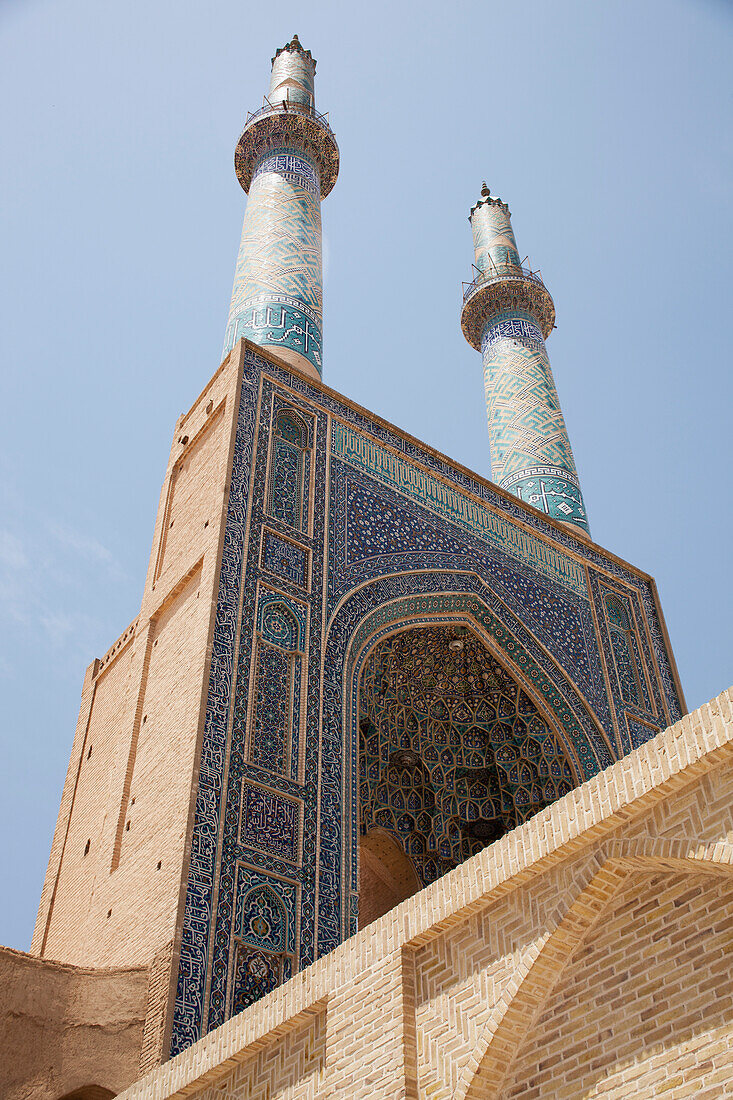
x: 287, y: 160
x: 507, y: 316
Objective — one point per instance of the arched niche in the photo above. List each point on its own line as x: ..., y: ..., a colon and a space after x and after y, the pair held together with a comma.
x: 453, y: 752
x: 286, y: 482
x: 392, y: 603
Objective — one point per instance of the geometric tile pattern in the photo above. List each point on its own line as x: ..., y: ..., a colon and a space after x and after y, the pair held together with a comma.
x: 292, y: 76
x: 624, y: 646
x: 510, y: 309
x: 277, y: 297
x: 453, y: 753
x: 398, y: 540
x: 262, y: 938
x: 431, y: 492
x: 493, y: 237
x: 530, y: 449
x: 274, y: 721
x: 288, y: 468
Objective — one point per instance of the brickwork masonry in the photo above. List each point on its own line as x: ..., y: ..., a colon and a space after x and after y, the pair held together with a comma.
x: 586, y: 954
x: 113, y: 886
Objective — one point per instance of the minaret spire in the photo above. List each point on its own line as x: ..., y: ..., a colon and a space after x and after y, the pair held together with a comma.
x: 507, y: 315
x: 287, y: 160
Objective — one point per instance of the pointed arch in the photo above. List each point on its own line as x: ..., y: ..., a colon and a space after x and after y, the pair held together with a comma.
x: 597, y: 881
x: 261, y: 960
x: 263, y: 919
x: 274, y: 720
x: 279, y: 625
x: 386, y: 605
x: 624, y: 647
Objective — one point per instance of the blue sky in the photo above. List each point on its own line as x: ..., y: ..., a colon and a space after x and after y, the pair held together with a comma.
x: 606, y: 127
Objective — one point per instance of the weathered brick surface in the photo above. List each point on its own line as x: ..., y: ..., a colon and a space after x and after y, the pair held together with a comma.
x: 116, y: 902
x: 587, y: 954
x: 63, y: 1028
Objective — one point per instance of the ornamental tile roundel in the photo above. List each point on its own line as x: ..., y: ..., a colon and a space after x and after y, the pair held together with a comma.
x: 453, y: 753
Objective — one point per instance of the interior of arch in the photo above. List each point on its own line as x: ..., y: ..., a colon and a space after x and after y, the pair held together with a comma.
x: 453, y: 753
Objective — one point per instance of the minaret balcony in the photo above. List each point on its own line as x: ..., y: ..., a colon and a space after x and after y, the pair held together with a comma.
x: 288, y: 124
x: 505, y: 288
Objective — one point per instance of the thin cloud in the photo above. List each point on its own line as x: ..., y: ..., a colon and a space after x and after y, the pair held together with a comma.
x: 87, y: 547
x: 12, y: 552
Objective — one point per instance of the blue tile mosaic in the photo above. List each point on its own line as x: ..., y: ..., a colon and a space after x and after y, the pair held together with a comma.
x: 270, y: 822
x: 398, y: 540
x: 285, y: 559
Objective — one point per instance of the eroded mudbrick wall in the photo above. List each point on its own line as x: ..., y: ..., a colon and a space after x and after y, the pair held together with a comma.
x: 63, y: 1027
x: 587, y: 953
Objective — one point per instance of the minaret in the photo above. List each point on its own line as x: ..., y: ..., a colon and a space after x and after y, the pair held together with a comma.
x: 507, y: 316
x: 287, y: 160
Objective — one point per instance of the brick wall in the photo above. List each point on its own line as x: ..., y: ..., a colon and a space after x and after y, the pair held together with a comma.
x: 112, y: 889
x: 588, y: 953
x: 645, y: 1008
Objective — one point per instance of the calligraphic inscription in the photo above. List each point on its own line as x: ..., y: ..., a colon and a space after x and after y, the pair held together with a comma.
x: 412, y: 481
x: 292, y: 168
x: 269, y: 822
x: 284, y: 559
x: 279, y: 319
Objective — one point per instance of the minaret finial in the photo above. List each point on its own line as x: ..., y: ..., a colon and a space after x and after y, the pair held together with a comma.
x: 294, y: 46
x: 507, y: 315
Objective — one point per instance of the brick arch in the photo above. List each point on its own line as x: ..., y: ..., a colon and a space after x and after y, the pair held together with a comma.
x: 89, y: 1092
x: 386, y: 876
x: 611, y: 867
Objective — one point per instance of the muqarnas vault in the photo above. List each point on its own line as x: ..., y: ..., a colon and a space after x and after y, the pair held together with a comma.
x: 356, y: 663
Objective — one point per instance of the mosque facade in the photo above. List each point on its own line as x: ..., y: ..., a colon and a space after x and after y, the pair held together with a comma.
x: 359, y: 669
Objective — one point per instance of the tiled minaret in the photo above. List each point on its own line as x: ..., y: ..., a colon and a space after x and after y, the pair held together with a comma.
x: 287, y: 160
x: 507, y: 316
